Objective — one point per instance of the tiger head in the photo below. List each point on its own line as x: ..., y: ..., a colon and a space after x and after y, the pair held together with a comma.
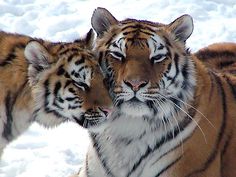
x: 67, y: 84
x: 147, y: 67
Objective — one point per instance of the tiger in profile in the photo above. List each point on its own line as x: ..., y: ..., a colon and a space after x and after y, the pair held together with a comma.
x: 49, y: 83
x: 173, y: 117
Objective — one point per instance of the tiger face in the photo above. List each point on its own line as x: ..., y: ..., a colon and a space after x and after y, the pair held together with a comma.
x: 146, y: 64
x: 67, y: 85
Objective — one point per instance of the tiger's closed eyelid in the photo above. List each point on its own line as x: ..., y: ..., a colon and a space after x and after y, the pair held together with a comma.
x: 81, y: 85
x: 158, y: 58
x: 117, y: 55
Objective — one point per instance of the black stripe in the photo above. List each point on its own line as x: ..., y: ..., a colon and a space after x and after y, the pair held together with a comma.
x: 10, y: 101
x: 60, y: 47
x: 74, y: 107
x: 185, y: 69
x: 168, y: 166
x: 87, y: 165
x: 71, y: 57
x: 226, y: 145
x: 7, y: 132
x: 80, y: 61
x: 57, y: 105
x: 166, y: 138
x: 100, y: 57
x: 72, y: 91
x: 81, y: 68
x: 35, y: 114
x: 47, y: 92
x: 167, y: 41
x: 209, y: 54
x: 168, y: 67
x: 129, y: 26
x: 11, y: 56
x: 60, y: 100
x: 99, y: 154
x: 212, y: 78
x: 160, y: 47
x: 145, y: 32
x: 138, y: 26
x: 46, y: 101
x: 79, y: 121
x: 129, y: 32
x: 60, y: 71
x: 68, y: 82
x: 57, y: 88
x: 223, y: 64
x: 176, y: 59
x: 232, y: 86
x: 174, y: 148
x: 109, y: 41
x: 213, y: 154
x: 149, y: 29
x: 69, y: 50
x: 67, y: 75
x: 70, y: 98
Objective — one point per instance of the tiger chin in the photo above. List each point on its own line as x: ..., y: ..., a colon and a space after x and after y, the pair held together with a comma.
x: 49, y: 83
x: 174, y: 116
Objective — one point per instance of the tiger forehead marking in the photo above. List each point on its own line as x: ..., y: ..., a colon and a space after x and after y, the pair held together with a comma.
x: 80, y: 69
x: 156, y: 45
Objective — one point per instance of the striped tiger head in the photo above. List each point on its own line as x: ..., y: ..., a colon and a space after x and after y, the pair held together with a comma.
x: 67, y: 83
x: 147, y: 67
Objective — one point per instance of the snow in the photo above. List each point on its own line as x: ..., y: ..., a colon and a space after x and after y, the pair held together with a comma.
x: 59, y: 152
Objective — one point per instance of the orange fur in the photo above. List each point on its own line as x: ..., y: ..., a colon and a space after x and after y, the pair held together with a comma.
x: 219, y: 56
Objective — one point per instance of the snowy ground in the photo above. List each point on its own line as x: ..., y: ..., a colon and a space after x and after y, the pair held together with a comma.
x: 60, y: 152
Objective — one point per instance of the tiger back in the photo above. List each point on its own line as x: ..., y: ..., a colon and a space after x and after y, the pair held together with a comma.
x: 173, y: 115
x: 219, y: 56
x: 49, y: 83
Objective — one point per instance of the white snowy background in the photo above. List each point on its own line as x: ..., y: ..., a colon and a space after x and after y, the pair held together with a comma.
x: 60, y: 152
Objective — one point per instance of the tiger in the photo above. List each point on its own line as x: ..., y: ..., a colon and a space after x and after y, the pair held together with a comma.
x: 50, y: 83
x: 219, y: 56
x: 173, y: 116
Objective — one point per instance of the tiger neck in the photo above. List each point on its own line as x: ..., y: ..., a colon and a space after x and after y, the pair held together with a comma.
x: 203, y: 87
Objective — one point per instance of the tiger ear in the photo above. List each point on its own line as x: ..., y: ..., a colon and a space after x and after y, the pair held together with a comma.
x: 37, y: 56
x: 101, y: 20
x: 182, y: 27
x: 87, y: 40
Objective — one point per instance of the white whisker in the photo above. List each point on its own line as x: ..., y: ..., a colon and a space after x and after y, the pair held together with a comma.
x: 187, y: 115
x: 172, y: 127
x: 162, y: 119
x: 181, y: 138
x: 195, y: 110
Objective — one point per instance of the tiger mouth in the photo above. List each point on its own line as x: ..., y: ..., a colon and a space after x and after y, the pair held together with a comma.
x: 133, y: 101
x: 93, y: 119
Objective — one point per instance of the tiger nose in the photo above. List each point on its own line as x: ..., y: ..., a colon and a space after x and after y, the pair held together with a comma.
x: 106, y: 110
x: 135, y: 85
